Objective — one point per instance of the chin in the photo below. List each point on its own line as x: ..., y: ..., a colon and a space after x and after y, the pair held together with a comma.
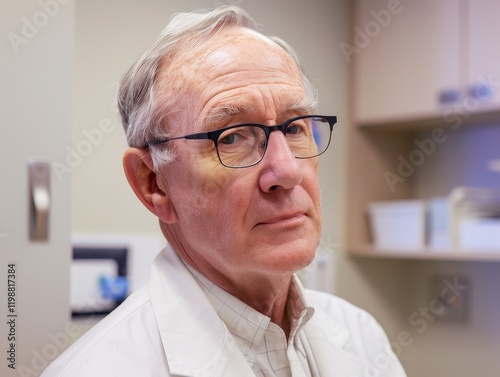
x: 295, y: 259
x: 307, y: 261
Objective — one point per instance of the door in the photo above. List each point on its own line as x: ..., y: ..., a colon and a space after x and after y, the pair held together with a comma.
x: 35, y: 105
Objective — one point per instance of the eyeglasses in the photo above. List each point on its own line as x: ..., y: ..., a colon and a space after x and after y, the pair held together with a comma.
x: 244, y: 145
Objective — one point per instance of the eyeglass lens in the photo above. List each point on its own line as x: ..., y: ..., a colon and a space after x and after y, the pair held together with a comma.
x: 245, y: 145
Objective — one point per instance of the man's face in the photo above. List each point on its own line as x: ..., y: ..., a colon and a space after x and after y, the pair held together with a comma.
x: 263, y: 219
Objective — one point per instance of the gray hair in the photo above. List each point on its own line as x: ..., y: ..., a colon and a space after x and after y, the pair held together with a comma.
x: 142, y: 105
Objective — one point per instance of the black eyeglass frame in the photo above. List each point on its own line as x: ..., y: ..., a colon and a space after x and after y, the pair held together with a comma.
x: 214, y: 136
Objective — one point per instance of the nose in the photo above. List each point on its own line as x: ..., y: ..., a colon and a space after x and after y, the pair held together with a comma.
x: 280, y: 170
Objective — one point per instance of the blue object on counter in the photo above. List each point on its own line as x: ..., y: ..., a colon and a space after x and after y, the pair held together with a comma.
x: 114, y: 287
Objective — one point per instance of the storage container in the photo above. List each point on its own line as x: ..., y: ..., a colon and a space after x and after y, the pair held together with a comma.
x: 481, y: 234
x: 398, y: 224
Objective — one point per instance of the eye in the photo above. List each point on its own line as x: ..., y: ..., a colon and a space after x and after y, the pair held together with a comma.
x: 229, y: 139
x: 236, y: 136
x: 292, y: 129
x: 298, y: 128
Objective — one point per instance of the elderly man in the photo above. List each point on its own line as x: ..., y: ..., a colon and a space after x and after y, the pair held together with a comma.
x: 224, y: 148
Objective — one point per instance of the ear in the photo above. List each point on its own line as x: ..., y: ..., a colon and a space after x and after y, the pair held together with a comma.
x: 139, y: 170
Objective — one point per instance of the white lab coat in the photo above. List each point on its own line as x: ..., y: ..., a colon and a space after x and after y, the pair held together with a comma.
x: 170, y: 329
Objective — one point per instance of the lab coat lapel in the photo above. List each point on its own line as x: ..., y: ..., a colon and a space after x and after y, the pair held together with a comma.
x: 327, y: 339
x: 196, y: 342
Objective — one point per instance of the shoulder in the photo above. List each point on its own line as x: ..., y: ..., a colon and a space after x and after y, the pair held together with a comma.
x: 358, y: 322
x: 336, y: 307
x: 356, y: 330
x: 110, y: 348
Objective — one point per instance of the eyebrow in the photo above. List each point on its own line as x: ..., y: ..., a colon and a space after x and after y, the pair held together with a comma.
x: 223, y: 113
x: 306, y: 106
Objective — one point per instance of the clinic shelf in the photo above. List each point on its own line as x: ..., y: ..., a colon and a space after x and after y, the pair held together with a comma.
x: 428, y: 254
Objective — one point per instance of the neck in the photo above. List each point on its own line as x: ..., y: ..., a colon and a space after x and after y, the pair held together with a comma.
x: 265, y: 293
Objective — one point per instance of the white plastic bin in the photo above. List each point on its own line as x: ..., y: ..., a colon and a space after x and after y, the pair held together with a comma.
x: 398, y: 224
x: 479, y: 234
x: 439, y: 224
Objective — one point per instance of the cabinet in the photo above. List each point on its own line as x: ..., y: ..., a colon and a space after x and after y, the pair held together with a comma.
x: 428, y: 71
x: 483, y: 52
x: 419, y: 59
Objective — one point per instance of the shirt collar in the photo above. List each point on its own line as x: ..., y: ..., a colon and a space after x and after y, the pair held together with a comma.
x: 298, y: 308
x: 244, y: 321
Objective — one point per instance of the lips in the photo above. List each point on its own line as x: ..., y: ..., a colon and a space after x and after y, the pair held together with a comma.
x: 284, y: 219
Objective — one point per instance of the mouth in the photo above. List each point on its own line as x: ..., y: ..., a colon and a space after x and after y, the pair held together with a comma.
x: 286, y: 219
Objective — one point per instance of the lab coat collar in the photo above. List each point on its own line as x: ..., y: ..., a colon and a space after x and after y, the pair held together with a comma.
x: 198, y: 344
x: 327, y: 340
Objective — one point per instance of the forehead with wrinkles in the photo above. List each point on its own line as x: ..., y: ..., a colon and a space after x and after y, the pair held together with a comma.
x: 232, y: 53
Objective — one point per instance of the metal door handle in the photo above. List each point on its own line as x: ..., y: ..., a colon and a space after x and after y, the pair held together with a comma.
x: 39, y: 193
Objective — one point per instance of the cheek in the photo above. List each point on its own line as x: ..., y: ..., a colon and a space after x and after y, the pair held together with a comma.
x: 241, y: 202
x: 208, y: 189
x: 312, y: 187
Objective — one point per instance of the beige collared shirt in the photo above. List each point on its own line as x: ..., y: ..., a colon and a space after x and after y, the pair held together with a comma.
x: 262, y: 342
